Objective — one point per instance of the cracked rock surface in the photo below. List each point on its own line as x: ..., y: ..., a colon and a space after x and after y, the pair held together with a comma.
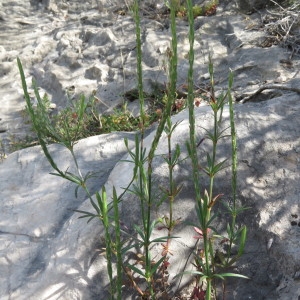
x: 72, y: 48
x: 45, y: 251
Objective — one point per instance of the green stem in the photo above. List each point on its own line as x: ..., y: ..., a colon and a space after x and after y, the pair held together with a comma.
x: 213, y: 161
x: 171, y: 192
x: 118, y: 245
x: 193, y: 148
x: 208, y: 289
x: 171, y: 100
x: 234, y: 166
x: 76, y: 163
x: 190, y: 99
x: 108, y: 242
x: 139, y: 68
x: 145, y: 185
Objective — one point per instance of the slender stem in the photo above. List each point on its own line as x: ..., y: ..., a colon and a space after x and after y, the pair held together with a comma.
x: 118, y: 245
x: 142, y: 110
x: 171, y: 192
x: 108, y: 242
x: 234, y: 167
x: 145, y: 185
x: 193, y: 148
x: 171, y: 99
x: 139, y: 62
x: 76, y: 163
x: 208, y: 289
x: 192, y: 141
x: 213, y: 160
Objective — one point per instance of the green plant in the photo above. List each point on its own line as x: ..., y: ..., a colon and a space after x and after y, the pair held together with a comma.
x: 44, y: 128
x: 143, y: 185
x: 210, y: 264
x: 76, y: 121
x: 182, y: 10
x: 206, y: 267
x: 2, y: 151
x: 67, y: 124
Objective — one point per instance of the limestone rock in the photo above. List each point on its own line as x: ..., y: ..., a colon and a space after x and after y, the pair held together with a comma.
x: 47, y: 253
x: 26, y: 238
x: 89, y: 49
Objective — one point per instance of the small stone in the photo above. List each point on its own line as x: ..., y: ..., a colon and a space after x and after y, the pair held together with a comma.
x: 52, y: 106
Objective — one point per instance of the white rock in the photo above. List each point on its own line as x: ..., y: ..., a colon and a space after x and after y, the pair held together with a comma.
x: 45, y: 251
x: 54, y: 249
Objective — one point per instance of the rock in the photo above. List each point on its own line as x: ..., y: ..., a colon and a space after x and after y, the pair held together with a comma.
x: 56, y: 254
x: 262, y: 178
x: 46, y: 252
x: 2, y: 53
x: 91, y: 50
x: 49, y: 203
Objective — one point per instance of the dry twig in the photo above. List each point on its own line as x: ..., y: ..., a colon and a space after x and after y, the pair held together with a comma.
x: 268, y: 87
x: 283, y: 26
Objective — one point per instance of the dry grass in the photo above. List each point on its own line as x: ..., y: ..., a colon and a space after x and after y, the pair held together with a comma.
x: 283, y: 26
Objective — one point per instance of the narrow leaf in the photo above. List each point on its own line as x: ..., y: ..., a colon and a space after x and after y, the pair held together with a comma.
x: 156, y: 265
x: 232, y: 275
x: 242, y: 241
x: 135, y: 269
